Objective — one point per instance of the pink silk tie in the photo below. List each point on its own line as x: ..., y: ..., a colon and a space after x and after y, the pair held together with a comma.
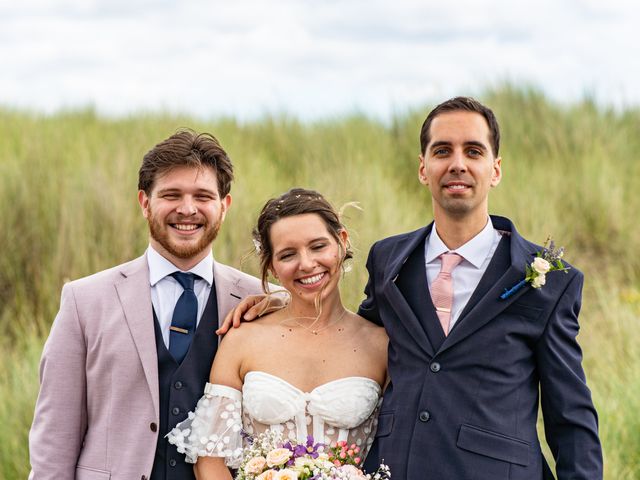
x: 442, y: 289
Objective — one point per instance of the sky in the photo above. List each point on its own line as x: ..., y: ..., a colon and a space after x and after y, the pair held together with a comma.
x: 310, y: 59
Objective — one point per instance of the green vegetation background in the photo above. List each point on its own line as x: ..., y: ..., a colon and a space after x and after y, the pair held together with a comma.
x: 68, y: 208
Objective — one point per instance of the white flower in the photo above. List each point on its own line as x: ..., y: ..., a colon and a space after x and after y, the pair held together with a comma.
x: 302, y: 462
x: 278, y: 457
x: 541, y: 266
x: 257, y: 245
x: 539, y: 281
x: 351, y: 471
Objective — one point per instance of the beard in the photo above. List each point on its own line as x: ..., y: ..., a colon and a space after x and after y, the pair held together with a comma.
x: 457, y: 207
x: 159, y: 231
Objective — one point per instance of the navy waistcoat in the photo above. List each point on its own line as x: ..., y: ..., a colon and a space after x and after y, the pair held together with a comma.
x: 181, y: 386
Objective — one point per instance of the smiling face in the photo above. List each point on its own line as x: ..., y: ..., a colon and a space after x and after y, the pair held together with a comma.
x: 184, y: 212
x: 306, y: 257
x: 459, y: 167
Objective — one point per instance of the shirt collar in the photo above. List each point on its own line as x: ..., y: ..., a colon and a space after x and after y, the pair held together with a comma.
x: 475, y: 251
x: 160, y: 267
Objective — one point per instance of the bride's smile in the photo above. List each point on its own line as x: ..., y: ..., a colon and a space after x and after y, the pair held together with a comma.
x: 306, y: 257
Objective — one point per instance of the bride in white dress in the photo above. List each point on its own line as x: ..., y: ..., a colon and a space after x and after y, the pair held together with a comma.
x: 311, y: 368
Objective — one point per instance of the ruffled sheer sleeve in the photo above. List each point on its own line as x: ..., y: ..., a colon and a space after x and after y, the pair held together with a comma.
x: 214, y: 428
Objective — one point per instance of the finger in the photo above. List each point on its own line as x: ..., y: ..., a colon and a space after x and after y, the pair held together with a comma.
x: 265, y: 306
x: 254, y: 312
x: 237, y: 315
x: 226, y: 323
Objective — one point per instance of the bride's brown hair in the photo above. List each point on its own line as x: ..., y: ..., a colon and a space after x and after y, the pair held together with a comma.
x: 297, y: 201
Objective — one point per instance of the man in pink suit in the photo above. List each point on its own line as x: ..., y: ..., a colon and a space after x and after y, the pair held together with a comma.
x: 131, y: 347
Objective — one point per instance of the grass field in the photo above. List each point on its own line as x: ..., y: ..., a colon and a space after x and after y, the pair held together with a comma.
x: 68, y: 204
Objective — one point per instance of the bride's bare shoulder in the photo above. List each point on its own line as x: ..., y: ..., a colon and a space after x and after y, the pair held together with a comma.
x: 369, y: 331
x: 249, y: 331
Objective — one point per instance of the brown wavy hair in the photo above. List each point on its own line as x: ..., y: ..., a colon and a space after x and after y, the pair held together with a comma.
x: 186, y: 148
x: 297, y: 201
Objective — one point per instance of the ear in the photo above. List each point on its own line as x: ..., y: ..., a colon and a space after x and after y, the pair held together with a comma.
x: 422, y: 170
x: 143, y: 200
x: 273, y: 272
x: 496, y: 175
x: 226, y: 204
x: 343, y: 235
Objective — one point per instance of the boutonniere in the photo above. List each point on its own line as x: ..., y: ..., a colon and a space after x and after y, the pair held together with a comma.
x: 549, y: 259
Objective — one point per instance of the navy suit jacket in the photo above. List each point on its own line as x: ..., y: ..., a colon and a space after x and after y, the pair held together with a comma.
x: 465, y: 406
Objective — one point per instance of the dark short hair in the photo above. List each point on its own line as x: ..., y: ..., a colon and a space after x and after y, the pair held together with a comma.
x: 466, y: 104
x: 186, y: 148
x: 297, y: 201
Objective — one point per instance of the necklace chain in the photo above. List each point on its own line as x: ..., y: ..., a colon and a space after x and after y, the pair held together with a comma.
x: 316, y: 331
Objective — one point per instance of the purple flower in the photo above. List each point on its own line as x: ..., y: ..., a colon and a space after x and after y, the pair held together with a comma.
x: 313, y: 449
x: 308, y: 449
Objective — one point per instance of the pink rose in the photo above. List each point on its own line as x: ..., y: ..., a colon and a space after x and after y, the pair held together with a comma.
x: 255, y: 465
x: 268, y: 475
x: 278, y: 456
x: 286, y: 474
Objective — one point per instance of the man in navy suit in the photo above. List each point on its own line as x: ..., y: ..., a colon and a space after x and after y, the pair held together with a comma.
x: 463, y: 399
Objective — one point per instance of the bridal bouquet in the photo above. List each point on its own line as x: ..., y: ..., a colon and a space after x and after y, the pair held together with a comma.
x: 269, y: 458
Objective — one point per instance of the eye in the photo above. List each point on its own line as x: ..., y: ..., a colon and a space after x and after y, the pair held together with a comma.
x: 205, y: 198
x: 318, y: 246
x: 170, y: 196
x: 441, y: 152
x: 285, y: 256
x: 474, y: 152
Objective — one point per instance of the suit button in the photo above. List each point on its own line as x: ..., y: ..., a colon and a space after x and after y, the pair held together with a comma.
x: 175, y: 411
x: 172, y: 463
x: 424, y: 416
x: 143, y: 477
x: 435, y: 367
x: 153, y: 427
x: 177, y: 385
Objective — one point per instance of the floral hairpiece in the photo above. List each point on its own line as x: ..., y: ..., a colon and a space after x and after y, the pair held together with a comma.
x: 549, y: 259
x: 257, y: 245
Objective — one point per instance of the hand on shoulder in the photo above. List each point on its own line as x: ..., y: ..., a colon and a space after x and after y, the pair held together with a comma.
x: 251, y: 308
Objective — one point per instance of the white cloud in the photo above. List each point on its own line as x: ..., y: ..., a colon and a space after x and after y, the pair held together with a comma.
x: 309, y: 58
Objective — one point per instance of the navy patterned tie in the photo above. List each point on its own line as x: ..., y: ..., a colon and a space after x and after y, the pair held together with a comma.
x: 183, y: 323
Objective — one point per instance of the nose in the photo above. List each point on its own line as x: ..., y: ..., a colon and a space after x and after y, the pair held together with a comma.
x: 187, y: 206
x: 307, y: 262
x: 458, y: 163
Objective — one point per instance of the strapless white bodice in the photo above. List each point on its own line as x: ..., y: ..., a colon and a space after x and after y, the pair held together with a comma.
x: 342, y: 409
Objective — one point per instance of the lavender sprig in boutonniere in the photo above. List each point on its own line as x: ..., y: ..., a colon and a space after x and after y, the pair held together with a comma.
x: 549, y: 259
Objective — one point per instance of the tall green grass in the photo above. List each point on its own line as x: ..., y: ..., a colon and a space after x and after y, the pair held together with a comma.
x: 68, y: 207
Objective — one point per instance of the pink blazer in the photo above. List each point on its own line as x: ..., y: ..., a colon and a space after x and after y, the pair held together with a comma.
x: 97, y: 411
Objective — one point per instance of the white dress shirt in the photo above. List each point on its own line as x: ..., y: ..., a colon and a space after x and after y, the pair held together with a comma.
x: 165, y: 290
x: 476, y: 255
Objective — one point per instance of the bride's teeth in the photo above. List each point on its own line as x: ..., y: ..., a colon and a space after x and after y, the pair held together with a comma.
x: 310, y: 280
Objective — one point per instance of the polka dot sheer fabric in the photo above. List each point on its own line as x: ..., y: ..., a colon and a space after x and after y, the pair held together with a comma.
x: 344, y: 409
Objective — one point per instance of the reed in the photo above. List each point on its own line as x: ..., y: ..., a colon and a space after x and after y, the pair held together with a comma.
x: 68, y: 204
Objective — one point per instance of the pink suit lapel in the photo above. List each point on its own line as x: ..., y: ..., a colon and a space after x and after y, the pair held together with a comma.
x: 134, y: 292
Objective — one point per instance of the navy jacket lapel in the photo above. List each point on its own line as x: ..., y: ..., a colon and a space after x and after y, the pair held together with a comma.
x: 497, y: 267
x: 412, y: 282
x: 401, y: 253
x: 485, y: 303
